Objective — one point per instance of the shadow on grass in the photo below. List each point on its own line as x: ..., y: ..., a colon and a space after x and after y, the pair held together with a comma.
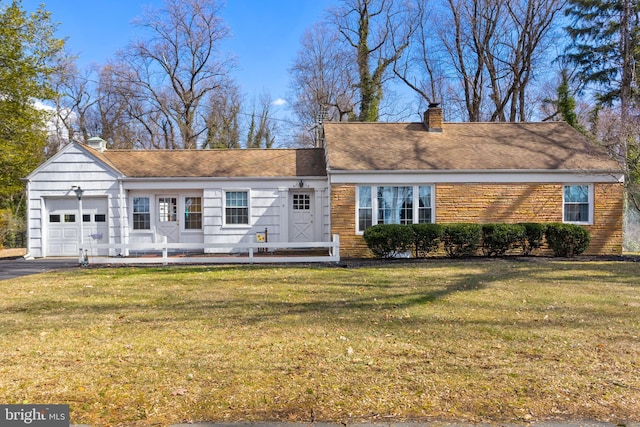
x: 207, y: 293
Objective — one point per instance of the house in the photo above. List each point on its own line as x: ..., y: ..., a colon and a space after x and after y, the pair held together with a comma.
x: 366, y: 173
x: 470, y: 172
x: 207, y: 196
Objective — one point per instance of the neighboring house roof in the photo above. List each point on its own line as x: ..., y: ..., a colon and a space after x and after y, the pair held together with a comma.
x: 462, y: 147
x: 215, y: 163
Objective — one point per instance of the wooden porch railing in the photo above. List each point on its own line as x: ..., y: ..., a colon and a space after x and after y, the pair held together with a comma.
x: 256, y: 252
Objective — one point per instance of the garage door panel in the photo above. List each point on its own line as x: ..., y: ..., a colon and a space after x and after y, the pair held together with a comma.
x: 70, y: 233
x: 63, y: 224
x: 55, y: 233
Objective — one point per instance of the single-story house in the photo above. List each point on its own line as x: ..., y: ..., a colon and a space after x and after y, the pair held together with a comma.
x: 365, y: 174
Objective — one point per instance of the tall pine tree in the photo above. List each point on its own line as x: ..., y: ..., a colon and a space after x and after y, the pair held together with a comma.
x: 606, y: 48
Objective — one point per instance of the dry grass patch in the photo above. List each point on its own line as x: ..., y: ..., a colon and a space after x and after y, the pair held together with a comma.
x: 478, y: 341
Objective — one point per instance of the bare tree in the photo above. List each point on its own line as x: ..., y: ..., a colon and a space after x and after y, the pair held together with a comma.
x: 484, y: 57
x: 323, y: 79
x: 262, y: 129
x: 177, y: 67
x: 75, y: 97
x: 425, y: 66
x: 379, y: 31
x: 323, y: 76
x: 223, y: 128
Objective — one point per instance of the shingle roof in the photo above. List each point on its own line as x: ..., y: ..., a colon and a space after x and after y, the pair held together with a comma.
x: 216, y: 163
x: 462, y: 146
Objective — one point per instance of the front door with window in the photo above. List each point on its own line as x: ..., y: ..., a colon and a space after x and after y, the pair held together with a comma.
x: 167, y: 218
x: 301, y: 226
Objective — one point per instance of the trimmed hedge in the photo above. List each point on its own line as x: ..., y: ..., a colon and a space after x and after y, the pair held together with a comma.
x: 464, y: 239
x: 427, y: 238
x: 497, y: 239
x: 389, y: 240
x: 534, y: 236
x: 461, y: 239
x: 567, y: 240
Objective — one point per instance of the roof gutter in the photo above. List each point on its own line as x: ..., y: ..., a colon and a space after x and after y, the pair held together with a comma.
x: 474, y: 171
x: 218, y: 178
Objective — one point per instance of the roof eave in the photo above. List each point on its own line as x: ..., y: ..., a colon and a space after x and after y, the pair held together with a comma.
x: 475, y: 171
x: 221, y: 178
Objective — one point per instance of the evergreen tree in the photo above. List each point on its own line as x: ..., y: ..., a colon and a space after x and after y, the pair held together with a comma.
x: 606, y: 48
x: 567, y: 103
x: 28, y: 53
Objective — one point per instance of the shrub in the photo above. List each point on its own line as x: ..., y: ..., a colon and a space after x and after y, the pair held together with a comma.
x: 389, y: 240
x: 534, y: 236
x: 567, y: 240
x: 12, y: 230
x: 461, y: 239
x: 427, y: 238
x: 497, y: 239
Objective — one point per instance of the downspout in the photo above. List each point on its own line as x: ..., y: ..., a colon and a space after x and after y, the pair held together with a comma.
x: 28, y: 255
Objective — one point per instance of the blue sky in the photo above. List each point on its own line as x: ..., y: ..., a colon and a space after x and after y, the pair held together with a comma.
x: 265, y: 34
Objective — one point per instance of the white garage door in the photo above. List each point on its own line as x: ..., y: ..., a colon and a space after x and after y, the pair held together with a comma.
x: 63, y: 225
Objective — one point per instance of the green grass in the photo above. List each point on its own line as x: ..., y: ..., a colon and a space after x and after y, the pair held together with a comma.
x: 474, y: 341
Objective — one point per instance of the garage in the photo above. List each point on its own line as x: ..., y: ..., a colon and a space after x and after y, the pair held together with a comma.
x: 63, y: 225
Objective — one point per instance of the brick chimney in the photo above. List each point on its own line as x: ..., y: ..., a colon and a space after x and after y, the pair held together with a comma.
x: 433, y: 118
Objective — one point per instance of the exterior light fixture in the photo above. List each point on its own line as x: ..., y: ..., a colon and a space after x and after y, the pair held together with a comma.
x: 79, y: 191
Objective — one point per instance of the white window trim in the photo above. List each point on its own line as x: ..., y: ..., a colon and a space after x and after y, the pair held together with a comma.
x: 374, y: 202
x: 182, y: 208
x: 591, y: 204
x: 224, y: 208
x: 151, y: 214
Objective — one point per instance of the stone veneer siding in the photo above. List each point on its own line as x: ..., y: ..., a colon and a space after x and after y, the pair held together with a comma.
x: 484, y: 203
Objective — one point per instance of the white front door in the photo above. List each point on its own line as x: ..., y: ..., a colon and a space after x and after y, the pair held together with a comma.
x: 301, y: 226
x: 167, y: 218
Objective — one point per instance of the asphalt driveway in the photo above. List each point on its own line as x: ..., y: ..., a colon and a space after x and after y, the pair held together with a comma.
x: 18, y: 267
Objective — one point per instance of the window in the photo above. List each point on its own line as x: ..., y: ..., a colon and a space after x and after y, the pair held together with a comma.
x: 100, y: 218
x: 395, y: 205
x: 424, y: 207
x: 301, y: 202
x: 577, y: 203
x: 86, y: 217
x: 237, y: 207
x: 69, y: 218
x: 408, y: 204
x: 192, y: 213
x: 54, y: 218
x: 141, y: 213
x: 365, y: 208
x: 167, y: 209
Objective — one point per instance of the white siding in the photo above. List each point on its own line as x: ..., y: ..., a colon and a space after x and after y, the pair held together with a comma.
x: 73, y: 166
x: 54, y: 180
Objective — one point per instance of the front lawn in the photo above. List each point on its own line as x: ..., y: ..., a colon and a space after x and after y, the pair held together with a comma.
x: 470, y: 341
